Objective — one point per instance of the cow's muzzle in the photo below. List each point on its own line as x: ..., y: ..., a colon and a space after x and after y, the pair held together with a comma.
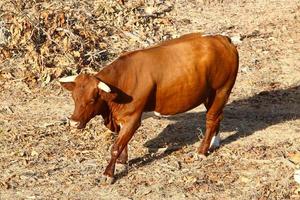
x: 76, y: 124
x: 73, y: 123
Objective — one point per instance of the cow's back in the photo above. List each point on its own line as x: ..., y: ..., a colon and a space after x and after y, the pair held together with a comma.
x: 176, y: 75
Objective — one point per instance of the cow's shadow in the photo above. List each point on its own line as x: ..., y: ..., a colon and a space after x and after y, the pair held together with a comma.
x: 242, y: 117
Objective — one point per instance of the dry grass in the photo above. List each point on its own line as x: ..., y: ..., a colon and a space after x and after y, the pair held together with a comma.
x: 41, y: 157
x: 57, y: 38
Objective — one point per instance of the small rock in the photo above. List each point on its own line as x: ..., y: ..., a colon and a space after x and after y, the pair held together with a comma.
x: 245, y: 69
x: 178, y: 165
x: 34, y: 153
x: 297, y: 176
x: 149, y: 10
x: 244, y: 179
x: 22, y: 153
x: 6, y: 110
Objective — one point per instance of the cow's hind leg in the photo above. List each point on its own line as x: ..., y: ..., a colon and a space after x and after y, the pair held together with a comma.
x: 214, y: 115
x: 216, y: 139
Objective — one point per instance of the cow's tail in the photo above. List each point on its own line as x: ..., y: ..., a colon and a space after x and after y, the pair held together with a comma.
x: 235, y: 40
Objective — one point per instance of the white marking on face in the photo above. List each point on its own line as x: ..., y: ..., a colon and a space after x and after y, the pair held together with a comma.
x: 104, y: 87
x: 215, y: 141
x: 68, y: 79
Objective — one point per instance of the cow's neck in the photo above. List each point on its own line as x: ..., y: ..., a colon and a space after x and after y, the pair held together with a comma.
x: 109, y: 121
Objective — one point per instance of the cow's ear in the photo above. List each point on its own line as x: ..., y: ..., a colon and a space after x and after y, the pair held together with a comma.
x: 68, y: 82
x: 68, y: 85
x: 107, y: 96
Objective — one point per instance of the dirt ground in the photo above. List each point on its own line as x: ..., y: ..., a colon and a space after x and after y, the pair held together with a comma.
x: 41, y: 157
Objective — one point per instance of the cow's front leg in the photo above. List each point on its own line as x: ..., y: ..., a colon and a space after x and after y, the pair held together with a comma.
x: 121, y: 142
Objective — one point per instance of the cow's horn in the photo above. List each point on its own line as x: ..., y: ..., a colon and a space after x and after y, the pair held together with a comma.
x: 104, y: 87
x: 68, y: 79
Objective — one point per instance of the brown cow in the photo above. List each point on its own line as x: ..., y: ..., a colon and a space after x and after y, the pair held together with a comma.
x: 170, y: 78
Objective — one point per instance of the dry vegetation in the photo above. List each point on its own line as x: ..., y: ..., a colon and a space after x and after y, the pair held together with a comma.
x: 42, y: 158
x: 55, y: 38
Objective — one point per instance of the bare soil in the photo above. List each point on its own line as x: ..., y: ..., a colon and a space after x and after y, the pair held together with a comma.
x: 41, y: 157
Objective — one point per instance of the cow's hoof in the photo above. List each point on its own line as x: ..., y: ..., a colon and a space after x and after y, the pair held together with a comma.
x: 204, y: 152
x: 122, y: 161
x: 106, y: 180
x: 196, y: 156
x: 201, y: 156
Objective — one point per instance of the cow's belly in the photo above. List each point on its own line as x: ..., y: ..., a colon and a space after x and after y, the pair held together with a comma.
x: 174, y: 101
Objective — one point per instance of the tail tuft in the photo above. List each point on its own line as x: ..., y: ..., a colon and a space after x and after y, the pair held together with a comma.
x: 236, y: 40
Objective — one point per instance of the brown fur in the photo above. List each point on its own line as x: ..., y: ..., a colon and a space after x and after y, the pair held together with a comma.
x: 169, y: 78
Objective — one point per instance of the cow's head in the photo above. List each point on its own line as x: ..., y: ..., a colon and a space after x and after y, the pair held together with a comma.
x: 89, y: 95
